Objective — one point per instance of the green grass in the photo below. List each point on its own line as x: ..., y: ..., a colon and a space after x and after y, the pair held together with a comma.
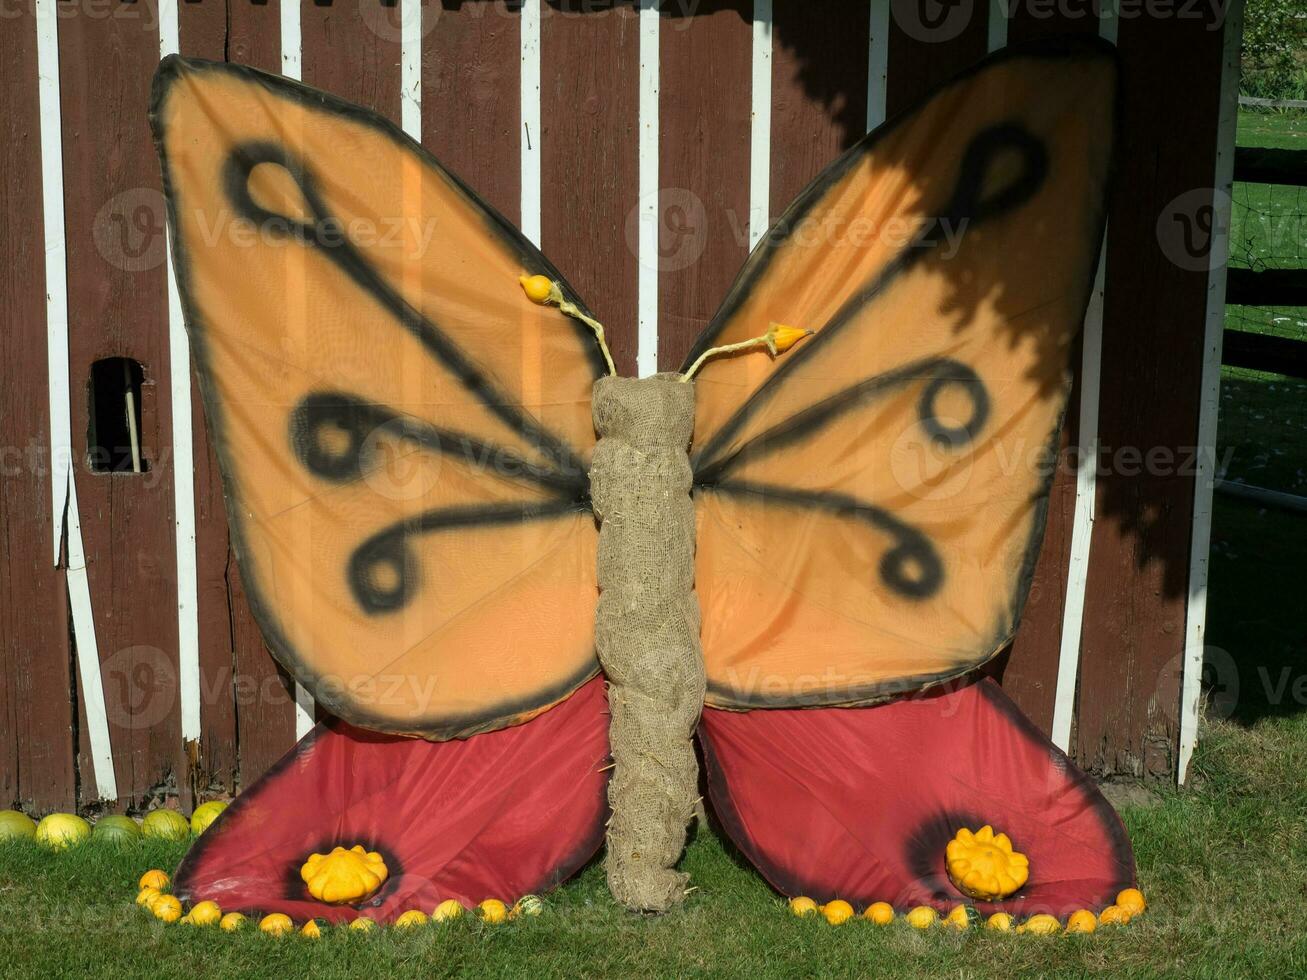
x: 1279, y: 130
x: 1263, y: 430
x: 1224, y: 869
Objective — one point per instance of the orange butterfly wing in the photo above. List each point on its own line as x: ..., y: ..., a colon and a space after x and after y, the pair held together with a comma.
x: 870, y: 504
x: 403, y: 435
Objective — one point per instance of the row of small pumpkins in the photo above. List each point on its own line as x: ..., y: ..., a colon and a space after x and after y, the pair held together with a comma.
x: 1129, y: 903
x: 59, y: 831
x: 167, y: 908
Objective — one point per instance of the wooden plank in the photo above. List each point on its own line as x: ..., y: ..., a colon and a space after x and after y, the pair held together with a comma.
x: 703, y: 160
x: 929, y: 44
x: 117, y: 308
x: 590, y: 60
x: 1152, y: 356
x: 36, y: 721
x: 253, y: 33
x: 1249, y: 100
x: 470, y: 101
x: 352, y: 49
x: 819, y: 93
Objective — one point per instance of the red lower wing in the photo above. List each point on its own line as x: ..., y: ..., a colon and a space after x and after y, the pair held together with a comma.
x: 859, y: 803
x: 498, y: 815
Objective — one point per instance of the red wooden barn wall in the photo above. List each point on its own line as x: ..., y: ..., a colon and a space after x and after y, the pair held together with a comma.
x: 590, y: 160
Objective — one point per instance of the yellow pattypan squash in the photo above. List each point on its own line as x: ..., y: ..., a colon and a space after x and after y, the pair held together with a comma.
x: 984, y: 866
x: 344, y: 875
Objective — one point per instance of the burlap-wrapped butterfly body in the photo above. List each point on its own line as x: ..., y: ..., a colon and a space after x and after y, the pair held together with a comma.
x: 451, y: 516
x: 647, y: 629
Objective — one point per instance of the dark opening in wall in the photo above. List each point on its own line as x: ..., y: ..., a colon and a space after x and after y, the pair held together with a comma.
x: 115, y: 432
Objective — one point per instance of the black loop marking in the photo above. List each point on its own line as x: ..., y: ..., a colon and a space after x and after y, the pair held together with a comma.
x: 236, y: 183
x: 983, y: 152
x: 949, y: 374
x: 387, y: 554
x: 912, y: 567
x: 321, y: 413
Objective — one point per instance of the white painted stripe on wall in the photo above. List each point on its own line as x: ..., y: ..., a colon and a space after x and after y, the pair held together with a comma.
x: 1082, y: 522
x: 530, y: 44
x: 877, y: 62
x: 292, y: 66
x: 760, y: 131
x: 646, y: 360
x: 410, y: 68
x: 64, y: 514
x: 292, y: 57
x: 997, y: 34
x: 56, y: 271
x: 88, y: 654
x: 1210, y: 397
x: 183, y: 470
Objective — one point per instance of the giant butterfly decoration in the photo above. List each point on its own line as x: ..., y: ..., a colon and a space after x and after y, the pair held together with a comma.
x: 868, y: 505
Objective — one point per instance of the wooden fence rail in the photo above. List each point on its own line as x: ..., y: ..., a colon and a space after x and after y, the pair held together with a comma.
x: 1267, y: 287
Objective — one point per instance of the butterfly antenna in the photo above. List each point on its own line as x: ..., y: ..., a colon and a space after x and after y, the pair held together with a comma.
x: 778, y: 339
x: 543, y: 291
